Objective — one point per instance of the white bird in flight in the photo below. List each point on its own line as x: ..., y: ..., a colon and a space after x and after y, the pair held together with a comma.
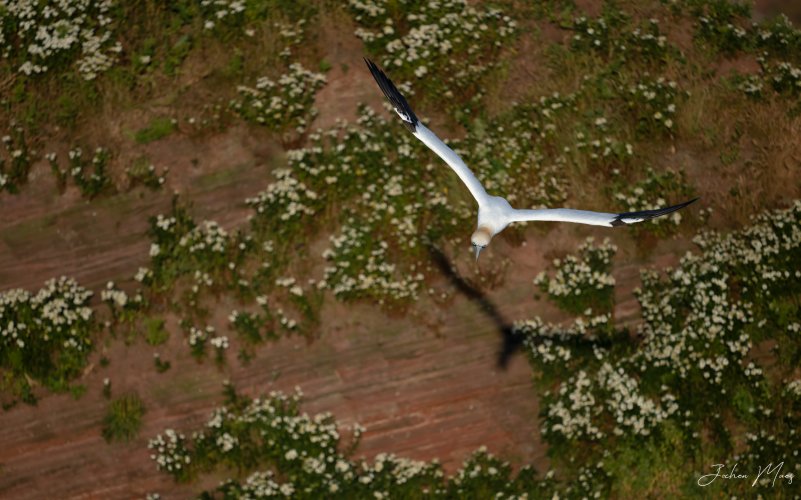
x: 494, y: 212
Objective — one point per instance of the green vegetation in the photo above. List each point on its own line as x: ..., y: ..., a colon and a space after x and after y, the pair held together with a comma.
x: 282, y: 105
x: 701, y: 321
x: 46, y: 337
x: 124, y: 418
x: 92, y: 179
x: 449, y: 45
x: 161, y: 365
x: 157, y: 129
x: 301, y: 455
x: 651, y: 193
x: 14, y: 170
x: 144, y: 173
x: 582, y: 283
x: 155, y: 333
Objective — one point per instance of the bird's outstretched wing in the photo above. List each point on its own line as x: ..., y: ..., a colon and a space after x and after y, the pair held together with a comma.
x: 428, y: 137
x: 592, y: 218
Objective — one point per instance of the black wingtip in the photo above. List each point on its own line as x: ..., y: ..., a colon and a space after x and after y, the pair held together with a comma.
x: 620, y: 220
x: 393, y: 94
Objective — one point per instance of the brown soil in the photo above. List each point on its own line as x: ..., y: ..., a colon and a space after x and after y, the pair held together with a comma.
x: 44, y: 234
x: 419, y: 395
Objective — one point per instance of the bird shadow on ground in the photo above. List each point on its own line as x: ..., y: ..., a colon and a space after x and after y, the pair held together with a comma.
x: 511, y: 342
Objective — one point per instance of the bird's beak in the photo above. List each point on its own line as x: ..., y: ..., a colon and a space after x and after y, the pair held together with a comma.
x: 477, y: 249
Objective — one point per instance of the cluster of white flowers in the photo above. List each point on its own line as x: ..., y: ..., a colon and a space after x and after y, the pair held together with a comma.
x: 695, y: 325
x: 286, y: 199
x: 361, y: 267
x: 147, y: 175
x: 602, y: 148
x: 753, y: 86
x: 584, y: 280
x: 260, y: 484
x: 594, y: 33
x: 226, y: 442
x: 114, y: 295
x: 585, y: 404
x: 180, y: 247
x: 549, y: 344
x: 221, y: 10
x: 291, y: 284
x: 92, y: 177
x: 648, y: 193
x: 283, y: 104
x: 198, y: 336
x: 632, y: 412
x: 610, y: 34
x: 719, y: 29
x: 143, y: 275
x: 220, y: 342
x: 403, y: 469
x: 38, y: 36
x: 285, y: 321
x: 16, y: 163
x: 171, y: 454
x: 123, y: 307
x: 305, y: 451
x: 452, y: 43
x: 784, y: 77
x: 649, y: 41
x: 208, y: 237
x: 794, y: 388
x: 653, y: 102
x: 55, y: 319
x: 292, y: 34
x: 574, y: 410
x: 506, y: 157
x: 46, y: 336
x: 779, y: 35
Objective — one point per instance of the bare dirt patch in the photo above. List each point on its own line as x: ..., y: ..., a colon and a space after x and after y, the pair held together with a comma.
x: 44, y: 234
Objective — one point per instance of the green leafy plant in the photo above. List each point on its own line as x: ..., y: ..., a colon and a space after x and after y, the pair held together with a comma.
x: 145, y: 173
x: 15, y: 166
x: 124, y: 418
x: 157, y: 129
x: 155, y: 333
x: 45, y: 336
x: 92, y: 179
x: 432, y: 41
x: 283, y: 105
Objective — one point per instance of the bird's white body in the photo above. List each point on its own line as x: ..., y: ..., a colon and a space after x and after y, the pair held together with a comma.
x: 494, y: 212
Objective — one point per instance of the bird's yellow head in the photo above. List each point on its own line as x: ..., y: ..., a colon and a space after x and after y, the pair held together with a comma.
x: 480, y: 239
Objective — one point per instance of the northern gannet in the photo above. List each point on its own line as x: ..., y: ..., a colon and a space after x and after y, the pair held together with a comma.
x: 494, y: 212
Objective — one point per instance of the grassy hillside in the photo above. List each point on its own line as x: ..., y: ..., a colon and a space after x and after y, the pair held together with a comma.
x: 218, y: 179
